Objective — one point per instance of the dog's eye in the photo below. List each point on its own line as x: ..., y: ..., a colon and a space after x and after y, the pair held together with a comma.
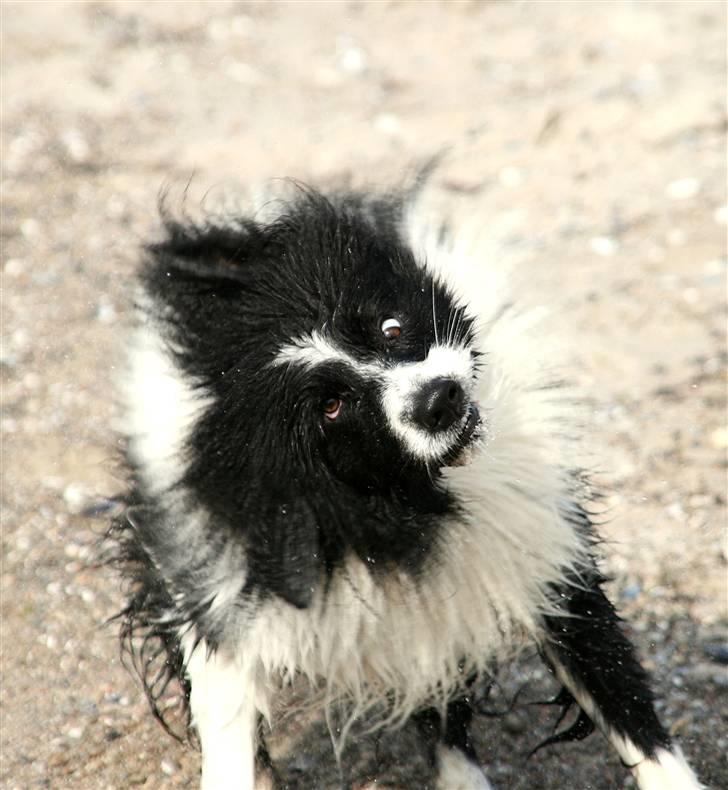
x: 332, y: 407
x: 391, y: 328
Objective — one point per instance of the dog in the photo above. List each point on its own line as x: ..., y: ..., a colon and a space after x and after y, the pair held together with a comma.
x: 347, y: 469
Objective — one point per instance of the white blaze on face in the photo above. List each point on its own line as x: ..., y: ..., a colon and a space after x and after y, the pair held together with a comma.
x: 399, y: 383
x: 403, y: 382
x: 314, y: 349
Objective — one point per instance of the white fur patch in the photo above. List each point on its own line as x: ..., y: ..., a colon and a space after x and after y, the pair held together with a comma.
x: 223, y: 711
x: 316, y: 349
x: 162, y: 407
x: 403, y: 381
x: 457, y: 772
x: 668, y: 771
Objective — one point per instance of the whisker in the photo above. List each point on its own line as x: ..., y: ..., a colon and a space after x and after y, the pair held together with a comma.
x: 458, y: 325
x: 434, y: 315
x: 457, y: 322
x: 449, y: 327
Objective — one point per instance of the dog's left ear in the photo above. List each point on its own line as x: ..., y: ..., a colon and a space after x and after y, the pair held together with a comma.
x: 286, y: 556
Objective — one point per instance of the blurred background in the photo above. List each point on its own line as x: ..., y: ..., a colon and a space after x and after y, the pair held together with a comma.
x: 587, y: 139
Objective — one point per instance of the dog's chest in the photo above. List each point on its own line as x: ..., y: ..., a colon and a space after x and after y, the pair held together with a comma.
x: 366, y: 636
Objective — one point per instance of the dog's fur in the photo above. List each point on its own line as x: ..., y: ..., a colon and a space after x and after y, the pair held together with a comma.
x: 346, y: 473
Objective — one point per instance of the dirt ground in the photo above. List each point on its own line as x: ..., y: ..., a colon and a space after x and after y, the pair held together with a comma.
x: 587, y: 138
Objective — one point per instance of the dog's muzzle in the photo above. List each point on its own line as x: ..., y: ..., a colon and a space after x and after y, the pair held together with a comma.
x: 438, y: 405
x: 441, y: 407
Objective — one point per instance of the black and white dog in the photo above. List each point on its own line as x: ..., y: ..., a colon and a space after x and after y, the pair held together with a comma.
x: 346, y: 472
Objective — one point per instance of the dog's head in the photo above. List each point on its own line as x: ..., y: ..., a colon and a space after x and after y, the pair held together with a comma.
x: 393, y: 401
x: 383, y: 373
x: 332, y: 360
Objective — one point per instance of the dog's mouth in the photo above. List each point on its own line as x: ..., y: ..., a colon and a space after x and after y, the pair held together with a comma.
x: 461, y: 451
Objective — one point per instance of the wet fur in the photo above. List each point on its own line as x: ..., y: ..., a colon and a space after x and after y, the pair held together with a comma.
x: 264, y: 545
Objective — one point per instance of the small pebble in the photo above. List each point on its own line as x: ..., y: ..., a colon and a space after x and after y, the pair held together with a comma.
x: 717, y: 651
x: 683, y: 188
x: 352, y: 58
x: 388, y: 124
x: 105, y: 312
x: 700, y: 674
x: 76, y: 145
x: 676, y: 511
x: 87, y: 596
x: 20, y: 338
x: 719, y: 438
x: 76, y: 497
x: 168, y: 767
x: 514, y: 723
x: 631, y: 591
x: 679, y: 724
x: 14, y: 267
x: 715, y: 266
x: 605, y: 246
x: 243, y: 73
x: 510, y: 177
x: 676, y: 237
x: 30, y: 228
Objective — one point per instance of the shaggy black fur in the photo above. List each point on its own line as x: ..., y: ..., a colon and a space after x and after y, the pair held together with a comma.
x: 236, y: 293
x: 292, y: 491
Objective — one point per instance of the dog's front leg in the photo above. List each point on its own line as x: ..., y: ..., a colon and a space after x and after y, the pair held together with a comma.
x: 453, y: 754
x: 596, y: 663
x: 222, y: 701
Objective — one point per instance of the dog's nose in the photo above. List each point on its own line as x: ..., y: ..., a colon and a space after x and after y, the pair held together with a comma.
x: 438, y: 404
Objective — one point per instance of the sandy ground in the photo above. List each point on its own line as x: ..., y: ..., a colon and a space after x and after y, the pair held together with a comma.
x: 587, y: 139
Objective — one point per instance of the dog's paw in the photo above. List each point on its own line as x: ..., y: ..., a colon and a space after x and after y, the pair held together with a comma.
x: 666, y: 771
x: 458, y: 772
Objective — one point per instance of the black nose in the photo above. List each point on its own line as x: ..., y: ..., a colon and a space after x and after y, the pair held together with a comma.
x: 439, y: 404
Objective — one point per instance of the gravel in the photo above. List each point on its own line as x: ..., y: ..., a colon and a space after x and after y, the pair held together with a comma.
x: 586, y: 141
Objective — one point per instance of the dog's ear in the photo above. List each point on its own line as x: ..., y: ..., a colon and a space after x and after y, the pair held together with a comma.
x: 207, y: 252
x: 285, y: 554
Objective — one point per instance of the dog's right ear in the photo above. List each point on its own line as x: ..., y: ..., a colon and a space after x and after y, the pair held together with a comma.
x: 209, y: 252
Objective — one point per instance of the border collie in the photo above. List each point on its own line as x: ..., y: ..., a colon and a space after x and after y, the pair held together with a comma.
x: 351, y: 469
